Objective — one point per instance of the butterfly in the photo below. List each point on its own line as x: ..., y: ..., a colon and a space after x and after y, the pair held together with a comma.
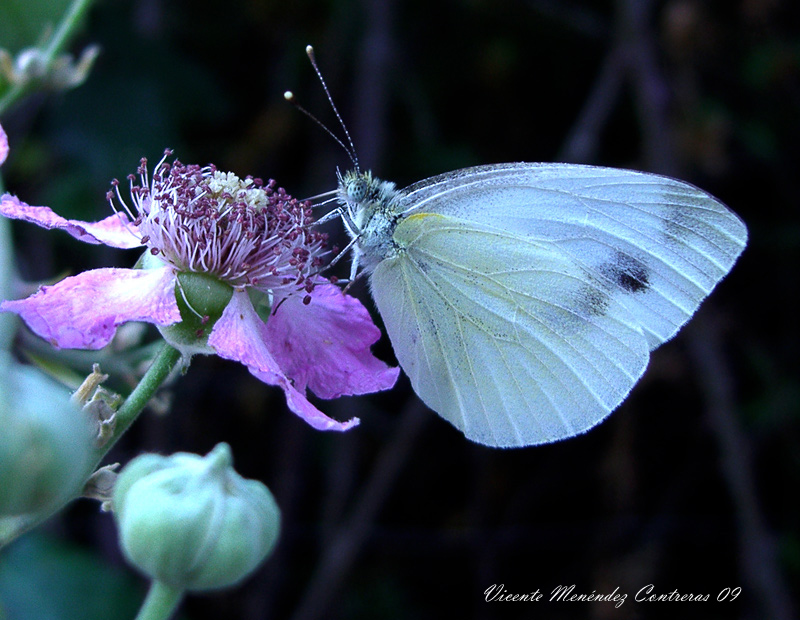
x: 523, y: 300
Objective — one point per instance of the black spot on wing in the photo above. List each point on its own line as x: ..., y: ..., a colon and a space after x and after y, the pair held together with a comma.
x: 627, y: 273
x: 591, y: 301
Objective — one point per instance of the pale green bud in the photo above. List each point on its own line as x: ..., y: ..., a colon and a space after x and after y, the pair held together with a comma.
x: 46, y: 442
x: 192, y: 522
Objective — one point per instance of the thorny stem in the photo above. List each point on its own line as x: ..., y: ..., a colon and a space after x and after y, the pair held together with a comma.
x: 159, y: 370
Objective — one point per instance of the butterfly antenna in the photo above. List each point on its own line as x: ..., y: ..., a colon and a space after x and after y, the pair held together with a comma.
x: 289, y: 96
x: 350, y: 149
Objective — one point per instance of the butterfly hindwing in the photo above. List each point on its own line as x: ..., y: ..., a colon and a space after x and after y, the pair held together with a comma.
x: 506, y: 337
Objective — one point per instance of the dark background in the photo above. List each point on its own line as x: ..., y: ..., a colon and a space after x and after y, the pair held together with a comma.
x: 691, y: 485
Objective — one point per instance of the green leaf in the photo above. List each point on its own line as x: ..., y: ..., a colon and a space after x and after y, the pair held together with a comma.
x: 42, y: 578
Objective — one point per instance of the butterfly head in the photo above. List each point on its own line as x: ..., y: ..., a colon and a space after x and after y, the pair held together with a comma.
x: 360, y: 192
x: 355, y: 186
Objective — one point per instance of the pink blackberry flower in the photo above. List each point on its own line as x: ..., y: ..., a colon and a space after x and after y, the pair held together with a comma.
x: 230, y: 269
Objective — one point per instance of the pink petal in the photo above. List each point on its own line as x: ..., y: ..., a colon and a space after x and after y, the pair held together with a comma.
x: 239, y: 335
x: 116, y: 230
x: 84, y: 311
x: 3, y: 145
x: 325, y: 345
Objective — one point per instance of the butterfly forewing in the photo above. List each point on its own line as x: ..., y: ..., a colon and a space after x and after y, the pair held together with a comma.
x: 660, y: 244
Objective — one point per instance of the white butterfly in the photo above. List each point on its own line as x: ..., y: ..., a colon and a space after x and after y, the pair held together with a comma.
x: 523, y: 300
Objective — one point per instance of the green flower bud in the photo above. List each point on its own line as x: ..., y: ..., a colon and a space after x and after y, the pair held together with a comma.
x: 45, y: 442
x: 192, y: 522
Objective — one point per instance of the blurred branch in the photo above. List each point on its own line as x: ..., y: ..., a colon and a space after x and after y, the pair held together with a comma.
x: 633, y: 59
x: 758, y: 563
x: 650, y: 86
x: 291, y: 481
x: 581, y: 143
x: 344, y: 545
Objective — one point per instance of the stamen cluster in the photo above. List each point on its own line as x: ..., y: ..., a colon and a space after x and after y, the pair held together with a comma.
x: 243, y: 231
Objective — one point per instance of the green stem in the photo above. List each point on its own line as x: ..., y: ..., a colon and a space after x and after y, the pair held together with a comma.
x: 68, y: 25
x: 13, y: 527
x: 159, y: 370
x: 8, y: 322
x: 60, y: 39
x: 162, y: 600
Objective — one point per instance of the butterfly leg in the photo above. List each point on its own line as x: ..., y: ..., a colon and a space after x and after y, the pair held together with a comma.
x: 330, y: 215
x: 354, y: 267
x: 342, y: 252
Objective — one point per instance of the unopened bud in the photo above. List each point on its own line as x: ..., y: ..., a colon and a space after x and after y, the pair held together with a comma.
x: 192, y: 522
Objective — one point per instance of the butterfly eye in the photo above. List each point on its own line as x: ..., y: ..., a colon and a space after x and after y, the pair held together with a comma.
x: 357, y: 189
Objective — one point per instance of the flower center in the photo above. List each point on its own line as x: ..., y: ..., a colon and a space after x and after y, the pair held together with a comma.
x: 242, y: 231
